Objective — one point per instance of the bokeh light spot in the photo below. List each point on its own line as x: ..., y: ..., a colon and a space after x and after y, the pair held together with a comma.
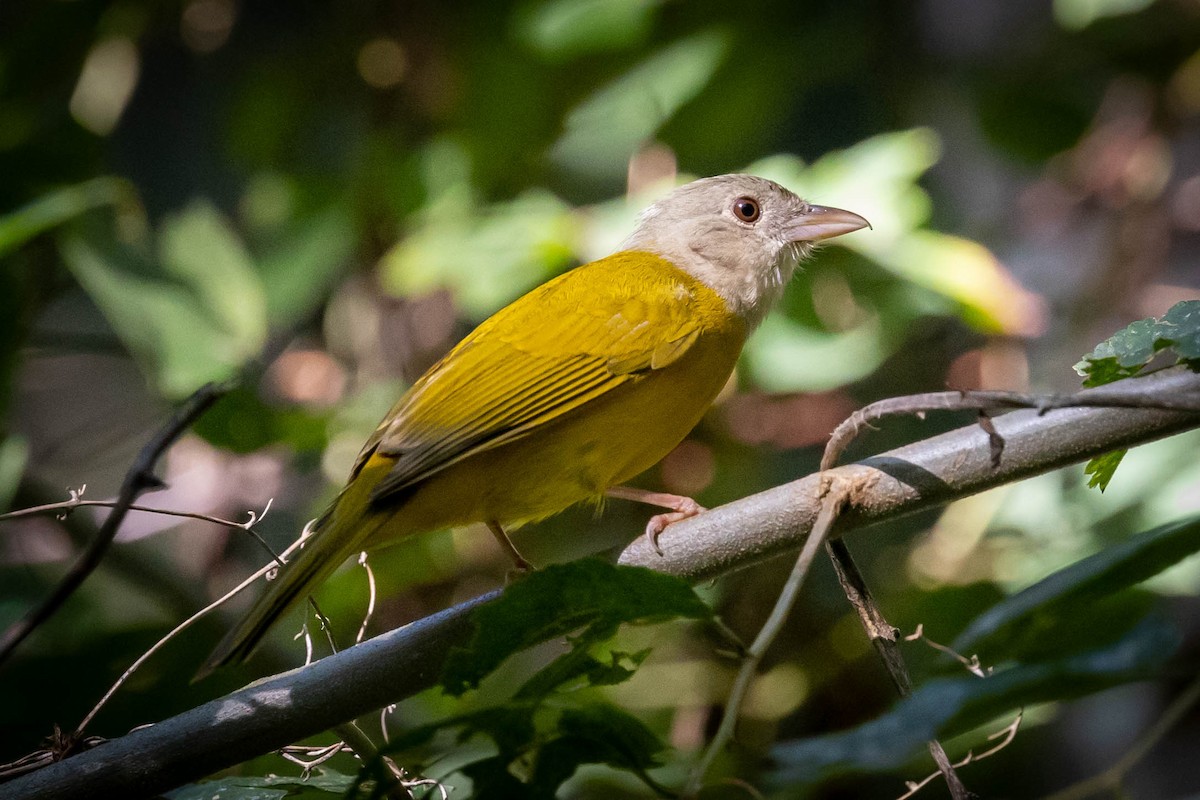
x: 106, y: 82
x: 689, y: 468
x: 205, y: 25
x: 382, y: 63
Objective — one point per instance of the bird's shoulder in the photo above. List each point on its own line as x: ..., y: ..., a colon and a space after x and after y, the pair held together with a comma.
x: 628, y: 302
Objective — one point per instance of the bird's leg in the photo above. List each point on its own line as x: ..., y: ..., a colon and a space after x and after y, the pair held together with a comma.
x: 681, y: 508
x: 506, y: 543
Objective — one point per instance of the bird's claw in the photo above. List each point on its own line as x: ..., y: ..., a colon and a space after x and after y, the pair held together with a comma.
x: 685, y: 508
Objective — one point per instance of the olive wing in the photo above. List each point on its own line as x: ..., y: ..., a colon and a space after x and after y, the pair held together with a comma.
x: 545, y: 356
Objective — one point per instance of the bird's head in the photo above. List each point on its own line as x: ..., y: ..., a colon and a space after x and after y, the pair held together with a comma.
x: 741, y: 235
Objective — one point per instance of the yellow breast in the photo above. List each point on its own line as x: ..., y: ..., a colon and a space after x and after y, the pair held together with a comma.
x: 578, y: 386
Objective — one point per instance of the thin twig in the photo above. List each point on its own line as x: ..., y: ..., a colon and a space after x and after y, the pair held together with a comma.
x: 309, y: 758
x: 362, y: 629
x: 326, y: 625
x: 443, y: 792
x: 831, y: 505
x: 746, y: 787
x: 358, y: 741
x: 76, y: 501
x: 139, y: 479
x: 989, y: 401
x: 971, y: 663
x: 180, y: 628
x: 58, y: 746
x: 883, y: 637
x: 384, y: 713
x: 1111, y: 778
x: 1009, y: 732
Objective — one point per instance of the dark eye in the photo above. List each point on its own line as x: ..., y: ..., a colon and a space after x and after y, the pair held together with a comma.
x: 746, y: 209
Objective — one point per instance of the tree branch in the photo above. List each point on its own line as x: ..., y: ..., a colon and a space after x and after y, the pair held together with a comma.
x: 288, y: 707
x: 920, y: 476
x: 883, y: 637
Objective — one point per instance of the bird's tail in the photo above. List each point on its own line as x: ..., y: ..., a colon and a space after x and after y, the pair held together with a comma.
x: 335, y: 537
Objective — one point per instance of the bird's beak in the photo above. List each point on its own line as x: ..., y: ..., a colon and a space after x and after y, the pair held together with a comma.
x: 822, y: 222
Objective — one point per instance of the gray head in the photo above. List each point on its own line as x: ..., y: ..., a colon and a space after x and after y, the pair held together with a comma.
x: 741, y: 235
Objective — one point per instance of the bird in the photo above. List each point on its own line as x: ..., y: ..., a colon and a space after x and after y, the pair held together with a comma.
x: 571, y: 390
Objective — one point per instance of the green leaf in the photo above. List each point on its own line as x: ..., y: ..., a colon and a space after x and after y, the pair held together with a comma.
x: 1184, y: 319
x: 322, y: 784
x: 493, y: 781
x: 1018, y: 624
x: 625, y: 740
x: 1130, y: 349
x: 784, y: 356
x: 879, y: 178
x: 200, y: 250
x: 57, y: 207
x: 192, y: 316
x: 302, y: 263
x: 1078, y: 14
x: 615, y: 121
x: 564, y: 29
x: 487, y: 257
x: 242, y: 423
x: 1102, y: 468
x: 14, y: 453
x: 510, y: 726
x: 560, y: 599
x: 594, y: 734
x: 578, y: 663
x: 538, y: 749
x: 949, y: 706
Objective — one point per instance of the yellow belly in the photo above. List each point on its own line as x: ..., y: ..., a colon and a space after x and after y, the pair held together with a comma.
x: 618, y: 436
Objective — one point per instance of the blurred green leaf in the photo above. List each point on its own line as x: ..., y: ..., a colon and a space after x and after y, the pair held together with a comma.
x: 559, y: 599
x: 1182, y: 324
x: 618, y: 118
x: 948, y: 706
x: 594, y: 734
x: 14, y: 452
x: 242, y: 423
x: 487, y: 258
x: 302, y: 264
x: 494, y: 781
x: 200, y: 250
x: 784, y: 356
x: 1010, y: 628
x: 538, y: 747
x: 579, y: 664
x: 193, y: 316
x: 1130, y: 349
x: 1078, y: 14
x: 322, y: 784
x: 57, y: 207
x: 878, y: 178
x: 563, y: 29
x: 1102, y: 468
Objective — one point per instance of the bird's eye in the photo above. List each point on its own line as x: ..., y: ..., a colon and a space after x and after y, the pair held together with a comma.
x: 746, y: 209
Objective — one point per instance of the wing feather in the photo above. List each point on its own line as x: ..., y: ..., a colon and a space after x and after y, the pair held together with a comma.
x: 545, y: 356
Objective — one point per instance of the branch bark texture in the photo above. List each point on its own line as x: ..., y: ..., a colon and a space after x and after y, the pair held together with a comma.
x: 285, y: 708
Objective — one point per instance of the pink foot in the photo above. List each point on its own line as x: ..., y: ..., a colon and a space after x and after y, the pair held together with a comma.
x: 681, y: 508
x: 687, y: 507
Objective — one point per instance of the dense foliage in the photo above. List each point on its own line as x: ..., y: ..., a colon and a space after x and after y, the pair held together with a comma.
x: 319, y: 199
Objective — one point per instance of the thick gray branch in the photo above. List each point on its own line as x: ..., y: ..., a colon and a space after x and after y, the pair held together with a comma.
x: 288, y: 707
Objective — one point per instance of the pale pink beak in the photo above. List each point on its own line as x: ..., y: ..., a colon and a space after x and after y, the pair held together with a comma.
x: 823, y: 222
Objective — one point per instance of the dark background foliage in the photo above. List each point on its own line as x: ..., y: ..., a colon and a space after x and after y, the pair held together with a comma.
x: 321, y: 198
